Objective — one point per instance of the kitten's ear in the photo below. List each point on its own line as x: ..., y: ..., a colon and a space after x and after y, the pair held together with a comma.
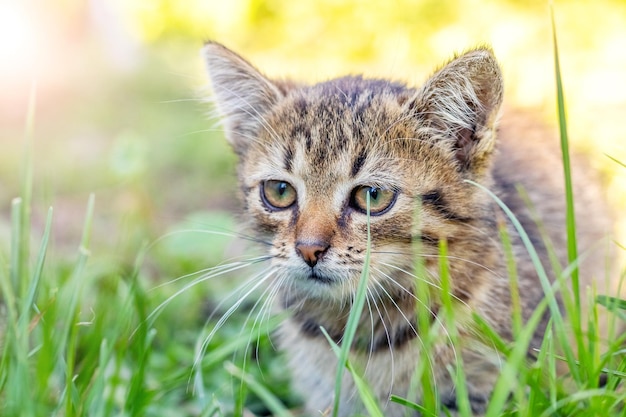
x: 459, y: 105
x: 242, y: 94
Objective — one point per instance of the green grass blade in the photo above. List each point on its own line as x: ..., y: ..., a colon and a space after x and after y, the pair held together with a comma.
x: 139, y: 397
x: 509, y: 376
x: 96, y: 401
x: 7, y: 329
x: 21, y: 332
x: 17, y: 238
x: 572, y: 250
x: 530, y: 248
x: 269, y: 399
x: 569, y: 193
x: 578, y: 398
x: 69, y: 332
x: 423, y: 379
x: 17, y: 395
x: 29, y: 301
x: 611, y: 303
x: 462, y: 395
x: 354, y: 317
x: 489, y: 335
x: 11, y: 280
x: 424, y: 412
x: 617, y: 161
x: 365, y: 392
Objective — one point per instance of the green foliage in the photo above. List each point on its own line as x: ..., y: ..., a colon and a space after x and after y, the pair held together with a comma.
x: 353, y: 321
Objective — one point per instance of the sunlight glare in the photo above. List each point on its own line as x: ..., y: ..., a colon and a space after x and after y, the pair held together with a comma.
x: 18, y: 40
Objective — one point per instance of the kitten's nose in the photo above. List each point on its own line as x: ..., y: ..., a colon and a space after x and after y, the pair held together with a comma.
x: 311, y: 252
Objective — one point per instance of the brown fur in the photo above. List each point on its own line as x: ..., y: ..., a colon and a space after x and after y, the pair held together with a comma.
x: 329, y: 138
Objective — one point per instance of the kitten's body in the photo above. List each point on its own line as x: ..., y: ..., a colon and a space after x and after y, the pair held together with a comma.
x: 322, y: 144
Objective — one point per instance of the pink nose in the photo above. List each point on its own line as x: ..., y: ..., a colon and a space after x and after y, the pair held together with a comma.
x: 311, y: 252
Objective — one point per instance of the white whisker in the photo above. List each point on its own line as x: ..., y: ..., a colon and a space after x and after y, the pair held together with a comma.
x: 435, y: 256
x: 256, y: 284
x: 387, y: 335
x: 417, y: 299
x: 417, y: 335
x: 207, y: 274
x: 212, y: 273
x: 412, y: 275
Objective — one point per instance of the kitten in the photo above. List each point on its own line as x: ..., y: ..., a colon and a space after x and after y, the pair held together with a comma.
x: 308, y: 157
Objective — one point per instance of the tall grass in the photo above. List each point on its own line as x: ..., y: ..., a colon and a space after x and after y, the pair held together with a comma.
x: 351, y: 326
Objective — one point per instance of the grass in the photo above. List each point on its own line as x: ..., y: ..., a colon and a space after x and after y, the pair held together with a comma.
x: 91, y: 338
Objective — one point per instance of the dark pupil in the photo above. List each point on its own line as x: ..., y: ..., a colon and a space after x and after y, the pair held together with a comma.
x: 373, y: 193
x: 282, y: 188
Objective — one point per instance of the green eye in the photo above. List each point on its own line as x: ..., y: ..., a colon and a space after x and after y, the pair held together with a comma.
x: 381, y: 199
x: 278, y: 194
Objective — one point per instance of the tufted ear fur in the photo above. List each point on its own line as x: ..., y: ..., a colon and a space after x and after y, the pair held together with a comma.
x: 459, y: 105
x: 242, y: 94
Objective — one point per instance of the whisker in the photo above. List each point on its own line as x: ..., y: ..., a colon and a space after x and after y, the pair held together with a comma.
x: 213, y: 272
x: 412, y: 275
x: 222, y: 232
x: 387, y: 335
x: 417, y: 335
x: 379, y: 284
x: 182, y: 100
x: 417, y: 299
x: 436, y: 256
x: 251, y: 285
x: 262, y: 300
x: 201, y: 351
x: 275, y: 288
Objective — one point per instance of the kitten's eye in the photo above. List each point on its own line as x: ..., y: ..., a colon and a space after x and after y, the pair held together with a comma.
x: 278, y: 194
x: 381, y: 199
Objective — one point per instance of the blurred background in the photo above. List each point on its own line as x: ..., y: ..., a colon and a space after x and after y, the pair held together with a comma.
x: 120, y: 84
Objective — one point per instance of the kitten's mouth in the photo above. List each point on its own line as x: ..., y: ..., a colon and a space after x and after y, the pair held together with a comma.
x: 317, y: 277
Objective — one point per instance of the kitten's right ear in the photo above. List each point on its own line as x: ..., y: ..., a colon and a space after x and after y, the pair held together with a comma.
x: 460, y: 105
x: 242, y: 94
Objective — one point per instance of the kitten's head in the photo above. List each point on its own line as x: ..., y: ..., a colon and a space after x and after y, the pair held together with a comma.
x: 310, y: 155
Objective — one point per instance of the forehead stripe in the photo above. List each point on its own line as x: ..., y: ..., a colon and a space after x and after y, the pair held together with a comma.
x: 435, y: 200
x: 358, y: 162
x: 288, y: 159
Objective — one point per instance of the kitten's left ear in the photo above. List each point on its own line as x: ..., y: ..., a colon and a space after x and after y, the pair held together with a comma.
x: 243, y: 95
x: 459, y: 105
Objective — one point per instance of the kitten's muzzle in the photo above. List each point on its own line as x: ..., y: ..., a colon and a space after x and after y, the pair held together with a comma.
x: 311, y: 252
